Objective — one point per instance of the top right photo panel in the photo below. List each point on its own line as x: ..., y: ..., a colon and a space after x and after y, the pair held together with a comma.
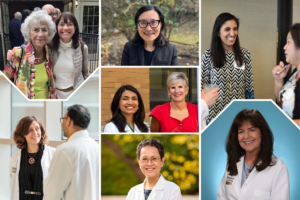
x: 250, y: 50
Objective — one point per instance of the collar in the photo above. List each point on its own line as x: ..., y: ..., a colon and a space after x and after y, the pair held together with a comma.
x: 159, y: 185
x: 141, y: 53
x: 65, y: 45
x: 81, y: 133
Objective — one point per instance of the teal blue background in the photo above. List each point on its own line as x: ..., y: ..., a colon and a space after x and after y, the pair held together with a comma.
x: 214, y: 157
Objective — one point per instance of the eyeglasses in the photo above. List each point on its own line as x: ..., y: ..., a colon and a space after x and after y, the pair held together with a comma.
x: 62, y: 119
x: 144, y: 24
x: 146, y: 160
x: 52, y: 14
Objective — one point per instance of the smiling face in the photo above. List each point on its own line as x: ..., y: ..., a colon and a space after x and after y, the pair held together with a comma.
x: 178, y: 91
x: 149, y: 34
x: 292, y: 54
x: 150, y: 161
x: 39, y: 34
x: 228, y: 34
x: 65, y: 30
x: 129, y: 103
x: 249, y: 138
x: 34, y: 134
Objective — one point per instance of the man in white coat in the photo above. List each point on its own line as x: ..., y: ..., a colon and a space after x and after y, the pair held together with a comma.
x: 74, y: 169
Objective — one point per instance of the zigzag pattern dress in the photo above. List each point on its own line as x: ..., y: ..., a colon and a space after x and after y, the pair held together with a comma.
x: 234, y: 82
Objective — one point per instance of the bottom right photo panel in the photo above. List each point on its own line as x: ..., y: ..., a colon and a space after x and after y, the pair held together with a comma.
x: 251, y: 151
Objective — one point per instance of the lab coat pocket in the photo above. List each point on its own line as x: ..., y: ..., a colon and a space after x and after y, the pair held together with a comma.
x: 261, y: 195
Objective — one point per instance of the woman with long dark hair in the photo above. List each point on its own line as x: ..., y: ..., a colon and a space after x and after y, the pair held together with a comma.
x: 128, y: 112
x: 252, y: 171
x: 149, y: 45
x: 227, y: 65
x: 29, y: 166
x: 288, y: 94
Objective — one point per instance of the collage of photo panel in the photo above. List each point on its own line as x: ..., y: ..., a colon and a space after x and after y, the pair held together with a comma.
x: 100, y: 100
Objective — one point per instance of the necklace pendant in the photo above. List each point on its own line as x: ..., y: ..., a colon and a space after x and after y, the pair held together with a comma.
x: 31, y: 161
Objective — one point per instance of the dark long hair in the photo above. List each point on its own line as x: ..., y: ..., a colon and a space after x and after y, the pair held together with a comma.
x: 75, y: 38
x: 295, y: 32
x: 25, y: 14
x: 119, y: 119
x: 235, y: 151
x: 217, y: 49
x: 161, y: 40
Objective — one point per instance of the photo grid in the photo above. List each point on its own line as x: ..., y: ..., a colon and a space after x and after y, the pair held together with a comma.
x: 100, y: 100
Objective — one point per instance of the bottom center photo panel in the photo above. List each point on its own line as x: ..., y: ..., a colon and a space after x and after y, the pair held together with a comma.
x: 151, y: 167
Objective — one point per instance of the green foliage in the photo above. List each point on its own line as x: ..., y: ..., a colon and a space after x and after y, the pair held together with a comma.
x: 181, y: 157
x: 119, y: 14
x: 113, y: 178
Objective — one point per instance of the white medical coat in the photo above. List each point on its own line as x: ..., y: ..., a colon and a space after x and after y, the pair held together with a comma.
x: 14, y: 168
x: 74, y: 170
x: 270, y: 184
x: 163, y: 190
x: 112, y: 128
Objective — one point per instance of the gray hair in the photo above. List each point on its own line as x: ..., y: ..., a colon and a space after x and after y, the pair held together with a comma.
x: 18, y: 15
x: 37, y: 9
x: 175, y: 77
x: 35, y: 19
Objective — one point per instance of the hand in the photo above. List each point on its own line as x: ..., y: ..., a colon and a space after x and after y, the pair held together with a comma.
x: 10, y: 56
x: 283, y: 73
x: 210, y: 97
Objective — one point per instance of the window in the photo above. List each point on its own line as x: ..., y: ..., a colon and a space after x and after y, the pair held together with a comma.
x: 90, y: 19
x: 158, y: 85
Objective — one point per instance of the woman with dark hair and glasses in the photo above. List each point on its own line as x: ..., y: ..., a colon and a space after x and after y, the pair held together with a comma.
x: 29, y: 166
x: 252, y: 171
x: 288, y: 94
x: 128, y: 112
x: 226, y: 65
x: 150, y: 155
x: 149, y: 46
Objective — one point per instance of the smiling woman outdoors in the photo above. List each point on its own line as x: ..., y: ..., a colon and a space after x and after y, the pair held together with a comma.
x: 31, y: 66
x: 149, y: 46
x: 150, y: 155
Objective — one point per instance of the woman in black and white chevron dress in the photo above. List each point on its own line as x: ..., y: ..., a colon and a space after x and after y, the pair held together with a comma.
x: 227, y: 65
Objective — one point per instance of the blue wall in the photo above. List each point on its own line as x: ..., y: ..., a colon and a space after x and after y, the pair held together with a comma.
x: 213, y: 154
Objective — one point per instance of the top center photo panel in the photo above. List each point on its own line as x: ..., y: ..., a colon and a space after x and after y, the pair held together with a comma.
x: 150, y: 32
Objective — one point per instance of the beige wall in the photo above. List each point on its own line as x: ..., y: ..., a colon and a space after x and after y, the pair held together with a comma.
x: 296, y: 12
x: 113, y: 78
x: 257, y: 33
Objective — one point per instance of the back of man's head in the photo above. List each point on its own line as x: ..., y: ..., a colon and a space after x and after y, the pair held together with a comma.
x: 18, y: 15
x: 47, y: 7
x: 36, y: 9
x: 79, y: 115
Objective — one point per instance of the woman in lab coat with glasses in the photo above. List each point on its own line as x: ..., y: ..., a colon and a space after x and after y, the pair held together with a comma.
x: 150, y: 155
x: 252, y: 171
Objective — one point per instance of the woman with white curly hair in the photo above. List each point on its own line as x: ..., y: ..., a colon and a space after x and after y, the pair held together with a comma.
x: 31, y: 65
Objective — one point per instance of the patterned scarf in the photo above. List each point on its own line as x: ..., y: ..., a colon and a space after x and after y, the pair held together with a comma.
x: 24, y: 176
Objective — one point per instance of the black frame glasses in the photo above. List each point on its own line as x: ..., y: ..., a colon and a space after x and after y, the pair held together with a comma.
x: 62, y: 119
x: 148, y: 23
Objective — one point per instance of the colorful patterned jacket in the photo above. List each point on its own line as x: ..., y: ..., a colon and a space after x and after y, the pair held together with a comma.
x: 24, y: 81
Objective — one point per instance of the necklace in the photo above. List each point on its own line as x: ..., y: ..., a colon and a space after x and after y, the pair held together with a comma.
x: 31, y: 160
x: 246, y: 173
x: 38, y: 59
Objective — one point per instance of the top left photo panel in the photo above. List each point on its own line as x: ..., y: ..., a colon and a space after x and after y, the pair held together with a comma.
x: 48, y: 49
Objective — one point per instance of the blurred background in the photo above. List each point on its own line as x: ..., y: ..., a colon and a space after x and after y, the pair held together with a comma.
x: 120, y: 170
x: 182, y: 28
